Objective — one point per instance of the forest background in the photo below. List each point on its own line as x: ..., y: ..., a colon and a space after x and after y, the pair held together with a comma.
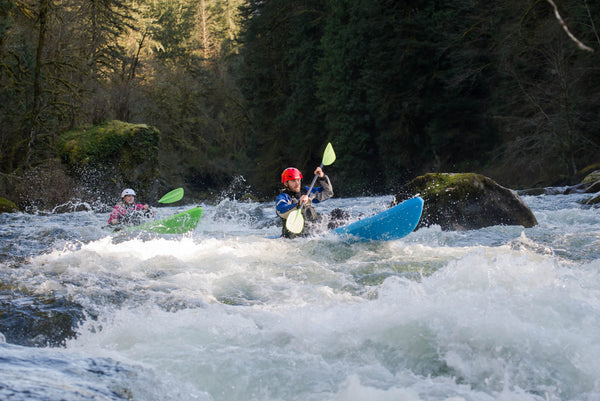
x: 241, y: 89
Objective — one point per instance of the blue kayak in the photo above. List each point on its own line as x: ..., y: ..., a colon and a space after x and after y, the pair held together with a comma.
x: 393, y: 223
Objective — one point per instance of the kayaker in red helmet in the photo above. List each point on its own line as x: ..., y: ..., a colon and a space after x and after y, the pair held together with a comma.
x: 293, y: 193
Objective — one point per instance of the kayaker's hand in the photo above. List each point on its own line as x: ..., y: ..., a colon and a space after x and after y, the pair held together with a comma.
x: 145, y: 207
x: 319, y: 171
x: 304, y: 199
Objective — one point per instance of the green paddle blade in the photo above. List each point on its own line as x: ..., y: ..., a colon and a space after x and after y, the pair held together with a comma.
x: 328, y: 155
x: 172, y: 196
x: 295, y: 221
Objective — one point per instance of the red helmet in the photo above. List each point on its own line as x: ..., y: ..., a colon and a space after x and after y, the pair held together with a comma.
x: 290, y: 173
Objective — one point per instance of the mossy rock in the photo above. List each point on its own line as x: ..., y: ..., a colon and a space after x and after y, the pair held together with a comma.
x: 105, y: 143
x: 7, y: 206
x: 592, y: 177
x: 108, y: 157
x: 466, y: 201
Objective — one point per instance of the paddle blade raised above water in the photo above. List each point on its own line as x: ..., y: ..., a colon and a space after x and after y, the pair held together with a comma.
x: 328, y: 155
x: 172, y: 196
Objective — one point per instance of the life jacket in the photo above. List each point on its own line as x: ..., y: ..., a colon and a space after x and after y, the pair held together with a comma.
x: 129, y: 214
x: 308, y: 212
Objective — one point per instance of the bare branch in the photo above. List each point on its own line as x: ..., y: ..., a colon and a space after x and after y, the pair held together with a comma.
x: 592, y: 21
x: 566, y: 28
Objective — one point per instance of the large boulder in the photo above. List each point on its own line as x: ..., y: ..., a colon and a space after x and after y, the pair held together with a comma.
x: 108, y: 157
x: 466, y: 201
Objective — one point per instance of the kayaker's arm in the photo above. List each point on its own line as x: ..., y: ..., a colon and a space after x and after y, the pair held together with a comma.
x: 284, y: 204
x: 323, y: 191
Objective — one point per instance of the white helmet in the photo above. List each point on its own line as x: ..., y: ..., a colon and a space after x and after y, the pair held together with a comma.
x: 127, y: 191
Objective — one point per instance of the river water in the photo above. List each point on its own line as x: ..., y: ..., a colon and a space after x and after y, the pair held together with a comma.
x: 226, y: 313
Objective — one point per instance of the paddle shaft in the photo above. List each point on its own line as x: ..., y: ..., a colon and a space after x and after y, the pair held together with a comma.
x: 312, y: 184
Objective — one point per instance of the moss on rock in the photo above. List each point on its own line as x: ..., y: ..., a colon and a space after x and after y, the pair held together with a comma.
x: 7, y: 206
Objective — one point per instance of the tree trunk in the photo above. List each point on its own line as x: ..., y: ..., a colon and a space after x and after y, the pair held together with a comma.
x: 37, y: 86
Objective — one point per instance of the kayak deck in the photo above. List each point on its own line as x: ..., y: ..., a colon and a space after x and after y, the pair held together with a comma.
x: 393, y: 223
x: 179, y: 223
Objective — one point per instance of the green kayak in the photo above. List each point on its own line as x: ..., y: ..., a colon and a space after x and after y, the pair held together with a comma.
x: 177, y: 224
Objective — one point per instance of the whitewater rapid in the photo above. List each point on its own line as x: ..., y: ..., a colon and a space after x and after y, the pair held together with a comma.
x: 227, y: 313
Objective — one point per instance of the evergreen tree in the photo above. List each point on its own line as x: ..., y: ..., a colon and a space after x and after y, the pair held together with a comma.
x: 344, y: 91
x: 281, y: 49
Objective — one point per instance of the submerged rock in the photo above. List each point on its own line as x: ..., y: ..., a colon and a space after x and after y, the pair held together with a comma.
x: 594, y: 200
x: 37, y: 321
x: 466, y: 201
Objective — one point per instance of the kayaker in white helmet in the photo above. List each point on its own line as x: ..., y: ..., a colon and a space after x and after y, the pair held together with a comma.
x: 129, y: 212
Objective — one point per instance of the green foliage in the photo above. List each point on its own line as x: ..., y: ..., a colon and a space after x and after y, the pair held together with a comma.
x: 405, y: 88
x: 128, y: 60
x: 280, y: 52
x: 344, y: 91
x: 399, y: 88
x: 175, y: 25
x: 6, y: 7
x: 377, y: 78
